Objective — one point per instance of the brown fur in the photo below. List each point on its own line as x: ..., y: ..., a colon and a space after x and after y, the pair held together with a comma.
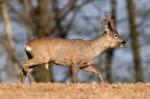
x: 77, y: 53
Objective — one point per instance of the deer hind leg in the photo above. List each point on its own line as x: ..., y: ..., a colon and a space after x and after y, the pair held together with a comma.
x: 27, y: 68
x: 96, y: 71
x: 74, y: 73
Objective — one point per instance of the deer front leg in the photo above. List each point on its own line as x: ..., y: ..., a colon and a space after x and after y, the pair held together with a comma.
x: 23, y: 74
x: 74, y: 73
x: 96, y: 71
x: 28, y: 65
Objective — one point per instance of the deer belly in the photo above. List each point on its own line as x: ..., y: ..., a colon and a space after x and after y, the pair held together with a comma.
x: 65, y: 62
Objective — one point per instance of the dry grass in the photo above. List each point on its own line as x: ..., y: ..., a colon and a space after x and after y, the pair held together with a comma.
x: 75, y: 91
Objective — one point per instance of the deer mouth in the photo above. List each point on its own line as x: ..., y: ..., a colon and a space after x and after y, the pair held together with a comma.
x: 115, y: 45
x: 118, y: 44
x: 122, y: 43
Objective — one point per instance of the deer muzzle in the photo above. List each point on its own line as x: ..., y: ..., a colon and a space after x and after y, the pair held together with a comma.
x: 122, y: 43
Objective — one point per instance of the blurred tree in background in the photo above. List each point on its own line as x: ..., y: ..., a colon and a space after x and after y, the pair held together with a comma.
x: 23, y: 20
x: 110, y: 52
x: 134, y: 40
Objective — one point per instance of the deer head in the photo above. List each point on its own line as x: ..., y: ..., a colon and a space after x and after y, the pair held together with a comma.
x: 111, y: 33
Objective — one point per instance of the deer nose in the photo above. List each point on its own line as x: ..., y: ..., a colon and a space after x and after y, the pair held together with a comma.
x: 123, y: 42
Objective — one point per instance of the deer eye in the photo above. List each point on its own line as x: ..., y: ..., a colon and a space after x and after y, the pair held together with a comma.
x: 115, y: 36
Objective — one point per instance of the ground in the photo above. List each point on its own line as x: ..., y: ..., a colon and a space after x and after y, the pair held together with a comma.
x: 75, y: 91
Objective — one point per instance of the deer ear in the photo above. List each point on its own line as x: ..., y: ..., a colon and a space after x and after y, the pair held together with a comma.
x: 105, y: 26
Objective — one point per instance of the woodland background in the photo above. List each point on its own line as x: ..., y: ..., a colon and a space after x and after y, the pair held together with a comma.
x: 23, y: 20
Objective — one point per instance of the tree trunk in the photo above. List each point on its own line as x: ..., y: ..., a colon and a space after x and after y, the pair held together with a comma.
x: 27, y: 13
x: 9, y: 36
x: 42, y: 29
x: 110, y: 52
x: 42, y: 19
x: 7, y: 26
x: 134, y: 40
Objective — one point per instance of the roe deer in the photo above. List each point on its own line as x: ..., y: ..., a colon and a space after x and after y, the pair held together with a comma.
x: 77, y: 53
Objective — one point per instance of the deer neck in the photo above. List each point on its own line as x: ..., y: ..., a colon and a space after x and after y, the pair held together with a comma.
x: 98, y: 45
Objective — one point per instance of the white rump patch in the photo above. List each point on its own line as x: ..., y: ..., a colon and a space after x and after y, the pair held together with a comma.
x: 28, y: 48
